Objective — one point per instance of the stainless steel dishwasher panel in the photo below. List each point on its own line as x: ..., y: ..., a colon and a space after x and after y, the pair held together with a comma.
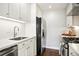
x: 10, y: 51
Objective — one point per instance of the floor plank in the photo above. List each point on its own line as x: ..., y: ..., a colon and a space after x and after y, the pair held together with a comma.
x: 51, y: 52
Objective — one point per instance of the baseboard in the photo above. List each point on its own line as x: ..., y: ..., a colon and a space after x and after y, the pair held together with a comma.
x: 52, y: 47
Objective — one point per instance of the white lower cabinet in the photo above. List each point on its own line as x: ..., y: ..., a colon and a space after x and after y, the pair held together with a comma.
x: 27, y: 48
x: 72, y: 52
x: 21, y: 52
x: 34, y: 46
x: 73, y: 49
x: 21, y: 49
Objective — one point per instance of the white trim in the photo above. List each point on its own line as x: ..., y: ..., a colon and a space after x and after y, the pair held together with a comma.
x: 53, y: 47
x: 15, y: 20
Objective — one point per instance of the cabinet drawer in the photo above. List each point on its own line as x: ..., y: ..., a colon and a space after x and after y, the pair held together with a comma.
x: 21, y: 45
x: 30, y: 42
x: 26, y: 44
x: 72, y: 54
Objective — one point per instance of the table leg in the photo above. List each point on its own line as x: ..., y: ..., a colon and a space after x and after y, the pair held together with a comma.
x: 67, y: 49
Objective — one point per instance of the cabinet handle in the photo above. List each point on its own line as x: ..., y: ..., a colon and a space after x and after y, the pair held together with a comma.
x: 23, y: 44
x: 28, y: 47
x: 7, y: 13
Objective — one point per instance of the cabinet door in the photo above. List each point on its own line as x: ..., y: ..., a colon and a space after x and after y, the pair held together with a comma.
x: 69, y: 21
x: 29, y: 51
x: 28, y: 48
x: 72, y: 52
x: 21, y: 52
x: 4, y: 9
x: 33, y: 46
x: 21, y: 49
x: 24, y: 12
x: 14, y: 10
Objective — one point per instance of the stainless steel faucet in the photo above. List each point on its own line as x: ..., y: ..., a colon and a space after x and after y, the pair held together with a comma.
x: 15, y: 33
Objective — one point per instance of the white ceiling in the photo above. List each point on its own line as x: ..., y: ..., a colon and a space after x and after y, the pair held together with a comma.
x: 55, y: 6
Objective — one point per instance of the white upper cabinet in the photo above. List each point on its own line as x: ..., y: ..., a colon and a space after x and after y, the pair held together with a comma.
x: 4, y: 9
x: 69, y: 18
x: 17, y: 11
x: 14, y: 10
x: 24, y: 12
x: 69, y: 21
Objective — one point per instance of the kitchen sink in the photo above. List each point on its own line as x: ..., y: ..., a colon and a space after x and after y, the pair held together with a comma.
x: 18, y: 38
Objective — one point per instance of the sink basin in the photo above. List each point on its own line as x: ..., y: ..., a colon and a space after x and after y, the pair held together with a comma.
x: 18, y: 38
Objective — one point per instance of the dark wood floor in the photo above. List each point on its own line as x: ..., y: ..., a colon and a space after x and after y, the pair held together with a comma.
x: 51, y: 52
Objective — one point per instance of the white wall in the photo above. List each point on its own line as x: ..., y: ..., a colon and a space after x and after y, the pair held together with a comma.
x: 55, y: 20
x: 7, y: 29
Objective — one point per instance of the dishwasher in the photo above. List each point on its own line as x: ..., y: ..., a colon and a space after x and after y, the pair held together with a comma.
x: 10, y: 51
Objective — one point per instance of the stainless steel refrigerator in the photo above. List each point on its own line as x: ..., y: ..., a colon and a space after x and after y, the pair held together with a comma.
x: 40, y: 35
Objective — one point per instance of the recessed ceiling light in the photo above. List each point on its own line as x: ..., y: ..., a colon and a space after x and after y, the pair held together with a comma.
x: 50, y: 6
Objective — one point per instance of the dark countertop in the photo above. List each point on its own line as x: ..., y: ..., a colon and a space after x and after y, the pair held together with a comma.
x: 70, y: 39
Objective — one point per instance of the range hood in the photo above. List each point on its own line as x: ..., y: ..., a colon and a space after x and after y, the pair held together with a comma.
x: 75, y: 10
